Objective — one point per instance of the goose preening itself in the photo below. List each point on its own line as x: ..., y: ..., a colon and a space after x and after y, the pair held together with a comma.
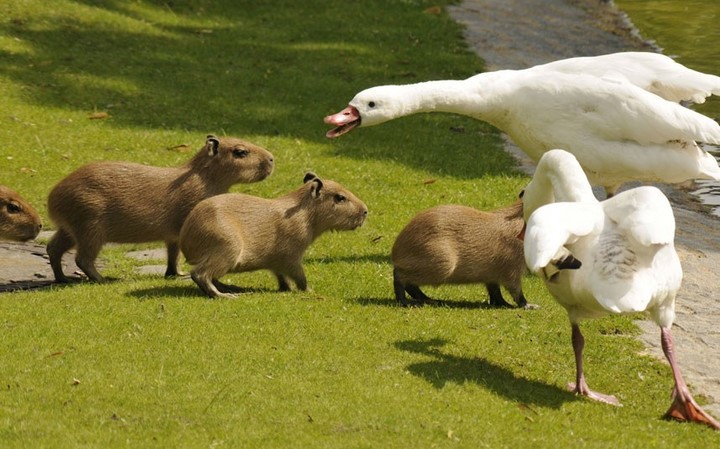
x: 615, y: 256
x: 618, y: 114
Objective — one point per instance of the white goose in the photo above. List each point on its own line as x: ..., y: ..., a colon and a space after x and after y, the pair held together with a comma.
x: 618, y: 113
x: 615, y: 256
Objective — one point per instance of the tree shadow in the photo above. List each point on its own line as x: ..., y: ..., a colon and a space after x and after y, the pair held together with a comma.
x: 445, y: 368
x: 249, y: 68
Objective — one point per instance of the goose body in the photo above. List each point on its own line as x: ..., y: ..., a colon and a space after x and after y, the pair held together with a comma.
x: 618, y: 114
x: 611, y: 257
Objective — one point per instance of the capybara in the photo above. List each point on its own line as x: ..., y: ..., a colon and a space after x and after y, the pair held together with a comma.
x: 19, y: 221
x: 125, y: 202
x: 236, y: 233
x: 452, y: 244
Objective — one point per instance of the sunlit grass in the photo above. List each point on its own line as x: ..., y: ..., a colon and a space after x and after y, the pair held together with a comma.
x: 146, y: 362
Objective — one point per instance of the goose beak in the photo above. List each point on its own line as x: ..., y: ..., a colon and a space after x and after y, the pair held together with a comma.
x: 344, y: 121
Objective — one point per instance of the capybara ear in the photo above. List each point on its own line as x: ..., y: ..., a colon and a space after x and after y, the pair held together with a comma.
x: 212, y: 143
x: 309, y: 176
x: 316, y: 188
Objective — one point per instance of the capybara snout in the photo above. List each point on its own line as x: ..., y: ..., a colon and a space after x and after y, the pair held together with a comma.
x: 19, y: 221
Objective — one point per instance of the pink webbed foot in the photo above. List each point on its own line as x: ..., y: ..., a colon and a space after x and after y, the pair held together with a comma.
x: 684, y: 408
x: 582, y: 389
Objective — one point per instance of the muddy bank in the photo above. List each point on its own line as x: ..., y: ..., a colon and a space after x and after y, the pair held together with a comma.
x: 511, y: 34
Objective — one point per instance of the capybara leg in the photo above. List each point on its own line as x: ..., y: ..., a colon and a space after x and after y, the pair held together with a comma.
x: 173, y: 254
x: 496, y: 299
x: 297, y: 274
x: 519, y: 298
x: 59, y: 244
x: 521, y: 301
x: 85, y: 259
x: 283, y: 284
x: 226, y: 288
x: 417, y: 294
x: 399, y: 290
x: 207, y: 285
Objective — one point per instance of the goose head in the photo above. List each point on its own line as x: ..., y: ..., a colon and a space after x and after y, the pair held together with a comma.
x: 371, y: 107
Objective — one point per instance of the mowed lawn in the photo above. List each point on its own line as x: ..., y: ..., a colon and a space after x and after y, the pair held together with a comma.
x: 142, y: 361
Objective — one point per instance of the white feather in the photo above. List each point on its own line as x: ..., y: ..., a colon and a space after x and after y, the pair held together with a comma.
x: 625, y: 244
x: 618, y: 114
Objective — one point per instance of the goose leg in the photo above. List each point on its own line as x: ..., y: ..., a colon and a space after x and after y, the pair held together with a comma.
x: 684, y: 407
x: 580, y: 386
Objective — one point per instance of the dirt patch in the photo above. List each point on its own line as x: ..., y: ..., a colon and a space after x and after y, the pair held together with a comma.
x: 24, y: 266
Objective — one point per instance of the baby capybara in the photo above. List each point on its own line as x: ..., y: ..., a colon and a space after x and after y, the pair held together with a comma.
x: 237, y: 233
x: 125, y: 202
x: 453, y: 244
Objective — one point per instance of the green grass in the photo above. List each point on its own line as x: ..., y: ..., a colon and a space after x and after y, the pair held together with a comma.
x: 148, y: 362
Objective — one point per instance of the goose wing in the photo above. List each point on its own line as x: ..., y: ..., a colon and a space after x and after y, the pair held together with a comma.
x: 607, y: 110
x: 555, y: 225
x: 653, y: 72
x: 640, y: 227
x: 644, y: 214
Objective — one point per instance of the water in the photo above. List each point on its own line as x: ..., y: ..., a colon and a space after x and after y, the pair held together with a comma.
x: 689, y: 31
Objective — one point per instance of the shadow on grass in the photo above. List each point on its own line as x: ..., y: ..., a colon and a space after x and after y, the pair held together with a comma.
x: 261, y: 68
x: 449, y: 304
x: 372, y: 258
x: 189, y: 291
x: 446, y: 368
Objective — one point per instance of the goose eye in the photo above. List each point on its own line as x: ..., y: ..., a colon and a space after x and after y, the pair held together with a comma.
x: 13, y: 208
x: 240, y: 153
x: 340, y: 198
x: 371, y: 104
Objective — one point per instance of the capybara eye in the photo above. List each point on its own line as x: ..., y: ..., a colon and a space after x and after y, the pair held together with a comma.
x: 371, y: 104
x: 340, y: 198
x: 240, y: 153
x: 13, y: 208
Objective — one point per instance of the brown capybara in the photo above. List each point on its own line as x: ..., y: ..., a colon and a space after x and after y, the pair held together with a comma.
x: 19, y: 221
x: 124, y: 202
x: 236, y: 233
x: 453, y: 244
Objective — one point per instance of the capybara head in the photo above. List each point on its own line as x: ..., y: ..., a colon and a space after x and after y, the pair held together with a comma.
x: 230, y: 160
x: 19, y: 221
x: 334, y: 208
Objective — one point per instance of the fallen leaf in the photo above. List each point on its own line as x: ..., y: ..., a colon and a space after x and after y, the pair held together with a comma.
x: 377, y: 239
x: 429, y: 181
x: 436, y: 10
x: 75, y: 381
x: 182, y: 148
x: 98, y: 115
